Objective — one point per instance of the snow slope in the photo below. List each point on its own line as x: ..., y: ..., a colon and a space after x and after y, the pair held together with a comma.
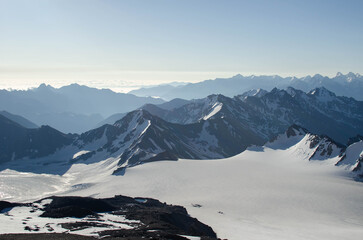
x: 262, y: 193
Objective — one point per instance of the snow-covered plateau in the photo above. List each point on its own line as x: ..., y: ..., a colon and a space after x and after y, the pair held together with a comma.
x: 273, y: 192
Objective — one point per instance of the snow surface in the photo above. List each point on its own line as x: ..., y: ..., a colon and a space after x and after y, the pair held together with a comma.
x: 80, y: 153
x: 262, y: 193
x: 353, y: 152
x: 215, y: 109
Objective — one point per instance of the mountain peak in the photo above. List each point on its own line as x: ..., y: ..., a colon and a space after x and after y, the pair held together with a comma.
x: 351, y: 76
x: 295, y: 130
x: 253, y: 92
x: 44, y: 87
x: 322, y: 92
x: 339, y: 74
x: 135, y: 118
x: 291, y: 91
x: 348, y: 77
x: 317, y: 76
x: 290, y: 137
x: 237, y: 76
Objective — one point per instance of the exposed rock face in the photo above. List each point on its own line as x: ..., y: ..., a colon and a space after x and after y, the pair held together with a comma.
x: 140, y: 137
x: 139, y: 217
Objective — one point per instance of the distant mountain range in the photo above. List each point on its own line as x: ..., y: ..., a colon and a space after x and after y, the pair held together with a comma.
x: 210, y: 128
x: 350, y: 85
x: 76, y: 109
x: 70, y: 109
x: 267, y: 114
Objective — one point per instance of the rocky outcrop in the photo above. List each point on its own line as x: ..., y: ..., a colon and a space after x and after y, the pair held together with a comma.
x: 127, y: 218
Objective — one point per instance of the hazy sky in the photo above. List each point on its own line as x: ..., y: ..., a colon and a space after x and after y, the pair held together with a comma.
x: 119, y: 43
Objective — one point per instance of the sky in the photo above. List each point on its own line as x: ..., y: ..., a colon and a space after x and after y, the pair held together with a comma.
x: 125, y: 44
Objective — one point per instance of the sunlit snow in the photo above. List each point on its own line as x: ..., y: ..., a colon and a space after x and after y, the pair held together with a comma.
x: 215, y: 109
x: 263, y: 193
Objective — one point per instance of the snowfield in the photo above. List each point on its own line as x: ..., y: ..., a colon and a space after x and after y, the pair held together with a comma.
x: 263, y: 193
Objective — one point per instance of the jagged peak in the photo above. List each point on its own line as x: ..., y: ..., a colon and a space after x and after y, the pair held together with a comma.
x: 253, y: 93
x: 279, y: 92
x: 321, y: 92
x: 347, y: 77
x: 290, y: 137
x: 214, y: 99
x: 44, y: 87
x: 295, y: 130
x: 351, y: 74
x: 291, y: 91
x: 134, y: 116
x: 339, y: 74
x: 320, y: 145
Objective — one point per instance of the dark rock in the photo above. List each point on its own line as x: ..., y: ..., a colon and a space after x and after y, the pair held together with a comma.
x: 78, y: 207
x: 156, y: 220
x: 4, y: 205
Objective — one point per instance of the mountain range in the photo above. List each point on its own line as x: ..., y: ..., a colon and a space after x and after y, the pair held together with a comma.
x: 286, y: 185
x: 70, y: 109
x: 267, y: 114
x: 350, y: 85
x: 211, y: 128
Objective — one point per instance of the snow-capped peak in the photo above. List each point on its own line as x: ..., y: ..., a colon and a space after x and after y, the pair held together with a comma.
x: 307, y: 145
x: 322, y: 94
x: 292, y: 136
x: 353, y: 157
x: 349, y: 77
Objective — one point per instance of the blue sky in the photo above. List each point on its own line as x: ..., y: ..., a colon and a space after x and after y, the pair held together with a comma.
x: 135, y: 42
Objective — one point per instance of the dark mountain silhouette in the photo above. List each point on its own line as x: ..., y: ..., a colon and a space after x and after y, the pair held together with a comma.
x: 18, y: 142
